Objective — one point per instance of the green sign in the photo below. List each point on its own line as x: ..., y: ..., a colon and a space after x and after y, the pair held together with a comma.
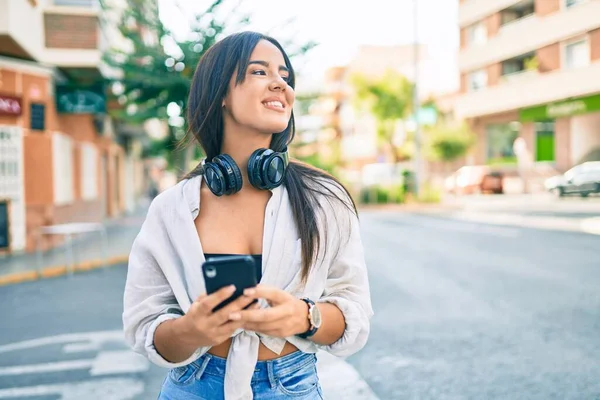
x: 72, y: 100
x: 566, y: 108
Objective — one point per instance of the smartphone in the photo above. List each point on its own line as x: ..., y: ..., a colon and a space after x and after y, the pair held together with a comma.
x: 229, y: 270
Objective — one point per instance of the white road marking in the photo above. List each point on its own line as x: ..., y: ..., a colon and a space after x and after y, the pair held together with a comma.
x: 119, y: 362
x: 90, y: 337
x: 338, y: 378
x: 106, y: 363
x: 47, y: 367
x: 105, y: 389
x: 81, y: 347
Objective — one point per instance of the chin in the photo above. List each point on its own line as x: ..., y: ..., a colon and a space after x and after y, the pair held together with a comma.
x: 274, y: 127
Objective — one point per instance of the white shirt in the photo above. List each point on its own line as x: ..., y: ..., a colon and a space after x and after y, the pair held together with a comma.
x: 164, y: 278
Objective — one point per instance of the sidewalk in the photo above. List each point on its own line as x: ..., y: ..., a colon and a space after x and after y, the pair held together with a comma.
x: 539, y: 211
x: 87, y: 249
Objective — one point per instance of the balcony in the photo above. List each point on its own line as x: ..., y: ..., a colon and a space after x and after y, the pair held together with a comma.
x: 516, y: 14
x: 531, y: 33
x: 73, y: 37
x: 75, y: 7
x: 530, y: 90
x: 19, y: 39
x: 472, y: 11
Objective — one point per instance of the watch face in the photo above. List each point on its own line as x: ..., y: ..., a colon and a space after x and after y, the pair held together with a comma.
x: 315, y: 316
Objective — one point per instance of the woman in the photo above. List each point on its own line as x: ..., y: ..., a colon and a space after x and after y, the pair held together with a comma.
x: 299, y: 224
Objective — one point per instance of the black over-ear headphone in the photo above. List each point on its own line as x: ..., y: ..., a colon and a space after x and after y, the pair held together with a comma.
x: 266, y: 170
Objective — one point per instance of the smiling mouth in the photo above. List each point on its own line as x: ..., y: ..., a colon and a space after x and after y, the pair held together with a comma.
x: 275, y: 105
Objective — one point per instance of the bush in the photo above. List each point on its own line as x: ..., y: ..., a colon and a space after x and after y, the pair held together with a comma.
x: 430, y: 194
x: 378, y: 194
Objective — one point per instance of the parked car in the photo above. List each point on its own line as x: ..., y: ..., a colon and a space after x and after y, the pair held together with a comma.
x: 472, y: 179
x: 582, y: 179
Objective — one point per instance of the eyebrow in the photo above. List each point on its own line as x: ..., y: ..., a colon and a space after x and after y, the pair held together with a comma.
x: 266, y: 64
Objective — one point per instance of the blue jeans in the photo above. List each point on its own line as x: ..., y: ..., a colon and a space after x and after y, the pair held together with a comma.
x: 293, y: 376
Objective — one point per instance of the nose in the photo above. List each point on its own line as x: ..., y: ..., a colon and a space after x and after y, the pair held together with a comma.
x: 278, y: 84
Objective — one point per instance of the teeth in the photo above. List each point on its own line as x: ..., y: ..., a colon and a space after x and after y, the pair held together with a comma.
x: 273, y: 104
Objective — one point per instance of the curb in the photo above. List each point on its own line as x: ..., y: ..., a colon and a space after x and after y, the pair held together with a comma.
x: 590, y: 226
x: 408, y: 207
x: 60, y: 270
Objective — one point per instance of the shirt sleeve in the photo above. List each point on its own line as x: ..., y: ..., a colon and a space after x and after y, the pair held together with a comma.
x: 347, y: 285
x: 148, y: 299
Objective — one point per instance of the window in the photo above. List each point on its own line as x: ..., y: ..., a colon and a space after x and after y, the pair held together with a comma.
x: 500, y: 141
x: 577, y: 54
x: 89, y: 171
x: 62, y: 163
x: 477, y: 80
x: 477, y: 34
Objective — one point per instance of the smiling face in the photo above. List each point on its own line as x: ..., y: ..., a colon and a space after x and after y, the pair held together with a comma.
x: 263, y: 100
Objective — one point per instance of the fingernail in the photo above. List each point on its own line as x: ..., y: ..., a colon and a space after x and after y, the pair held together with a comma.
x: 249, y: 292
x: 232, y: 288
x: 234, y: 316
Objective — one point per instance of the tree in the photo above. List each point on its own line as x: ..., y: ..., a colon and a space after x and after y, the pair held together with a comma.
x: 448, y: 142
x: 389, y: 99
x: 157, y: 68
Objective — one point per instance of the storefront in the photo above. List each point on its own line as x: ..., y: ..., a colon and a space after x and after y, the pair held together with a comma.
x: 12, y: 203
x: 559, y: 134
x: 565, y: 132
x: 59, y: 160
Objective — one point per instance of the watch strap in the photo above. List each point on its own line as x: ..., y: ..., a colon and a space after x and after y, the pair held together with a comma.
x: 312, y: 329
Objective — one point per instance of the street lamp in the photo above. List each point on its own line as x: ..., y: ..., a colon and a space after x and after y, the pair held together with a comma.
x: 418, y: 156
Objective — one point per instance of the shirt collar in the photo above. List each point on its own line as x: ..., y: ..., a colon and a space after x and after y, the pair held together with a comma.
x: 191, y: 193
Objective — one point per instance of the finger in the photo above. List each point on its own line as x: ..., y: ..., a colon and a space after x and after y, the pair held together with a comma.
x: 228, y: 328
x: 264, y: 327
x: 223, y: 315
x: 269, y: 293
x: 262, y: 314
x: 213, y: 300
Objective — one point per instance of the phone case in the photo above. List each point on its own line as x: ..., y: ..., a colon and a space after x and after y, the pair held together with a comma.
x: 229, y: 270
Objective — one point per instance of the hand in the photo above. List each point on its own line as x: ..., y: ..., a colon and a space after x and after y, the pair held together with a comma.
x: 287, y: 316
x: 203, y: 327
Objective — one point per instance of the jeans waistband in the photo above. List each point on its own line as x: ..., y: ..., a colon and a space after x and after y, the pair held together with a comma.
x: 264, y: 370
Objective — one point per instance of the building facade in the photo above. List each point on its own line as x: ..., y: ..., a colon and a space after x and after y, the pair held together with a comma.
x: 62, y: 158
x: 530, y: 69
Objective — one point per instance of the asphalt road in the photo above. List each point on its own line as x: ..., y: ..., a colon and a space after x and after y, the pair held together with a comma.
x: 463, y: 311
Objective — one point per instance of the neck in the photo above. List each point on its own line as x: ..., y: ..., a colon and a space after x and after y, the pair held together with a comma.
x: 239, y: 144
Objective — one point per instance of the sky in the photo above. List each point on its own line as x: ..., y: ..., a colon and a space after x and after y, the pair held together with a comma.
x: 341, y: 26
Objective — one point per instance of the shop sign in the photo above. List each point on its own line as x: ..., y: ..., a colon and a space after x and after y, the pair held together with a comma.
x: 561, y: 109
x: 10, y: 105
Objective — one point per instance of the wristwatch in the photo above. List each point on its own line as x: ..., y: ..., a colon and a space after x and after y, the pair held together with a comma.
x: 314, y: 318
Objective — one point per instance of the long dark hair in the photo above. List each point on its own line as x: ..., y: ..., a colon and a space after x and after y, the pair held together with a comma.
x: 305, y: 184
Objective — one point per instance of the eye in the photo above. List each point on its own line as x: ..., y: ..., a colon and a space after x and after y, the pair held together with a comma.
x: 258, y: 72
x: 286, y: 78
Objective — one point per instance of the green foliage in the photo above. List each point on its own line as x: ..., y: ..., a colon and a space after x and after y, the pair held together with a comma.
x: 379, y: 194
x: 430, y: 194
x: 158, y: 67
x: 449, y: 142
x: 388, y: 98
x: 316, y: 161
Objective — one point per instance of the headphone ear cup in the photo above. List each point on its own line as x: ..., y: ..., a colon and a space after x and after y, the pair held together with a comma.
x: 231, y: 171
x: 214, y: 178
x: 254, y: 169
x: 273, y: 169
